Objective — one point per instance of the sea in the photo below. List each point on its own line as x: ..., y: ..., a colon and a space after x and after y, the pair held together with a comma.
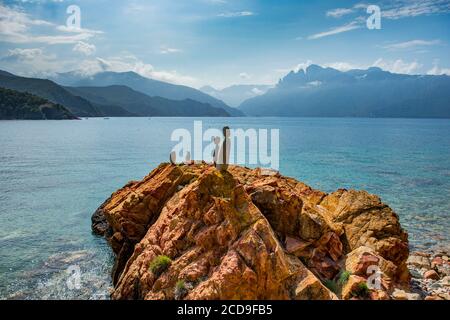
x: 54, y: 174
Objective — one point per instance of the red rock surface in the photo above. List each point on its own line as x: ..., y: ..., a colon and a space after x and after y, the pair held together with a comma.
x: 242, y: 234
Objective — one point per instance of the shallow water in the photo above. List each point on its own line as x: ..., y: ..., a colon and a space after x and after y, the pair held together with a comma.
x: 54, y: 174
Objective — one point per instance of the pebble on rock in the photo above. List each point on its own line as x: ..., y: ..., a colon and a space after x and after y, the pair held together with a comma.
x: 431, y: 274
x: 399, y: 295
x: 419, y: 261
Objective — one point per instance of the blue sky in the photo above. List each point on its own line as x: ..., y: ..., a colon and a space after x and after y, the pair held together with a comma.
x: 222, y: 42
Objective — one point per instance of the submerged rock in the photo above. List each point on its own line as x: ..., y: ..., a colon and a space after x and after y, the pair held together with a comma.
x: 242, y: 234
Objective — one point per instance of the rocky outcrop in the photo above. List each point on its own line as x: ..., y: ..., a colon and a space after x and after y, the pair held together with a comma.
x: 193, y: 232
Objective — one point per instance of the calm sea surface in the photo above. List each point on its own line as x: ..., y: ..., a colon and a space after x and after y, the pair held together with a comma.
x: 54, y: 174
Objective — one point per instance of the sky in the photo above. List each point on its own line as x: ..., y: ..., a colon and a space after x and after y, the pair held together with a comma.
x: 221, y: 42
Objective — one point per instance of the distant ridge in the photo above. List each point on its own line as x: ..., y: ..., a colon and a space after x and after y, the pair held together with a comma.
x: 236, y: 94
x: 51, y: 91
x: 327, y: 92
x: 140, y: 104
x: 144, y: 85
x: 15, y: 105
x: 114, y: 101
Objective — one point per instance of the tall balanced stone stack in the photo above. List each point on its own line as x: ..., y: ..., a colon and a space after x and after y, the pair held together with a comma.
x: 194, y: 232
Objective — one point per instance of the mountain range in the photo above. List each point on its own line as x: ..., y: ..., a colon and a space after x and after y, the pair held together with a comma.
x: 139, y: 104
x: 327, y: 92
x: 113, y: 100
x: 236, y: 94
x: 312, y: 92
x: 150, y: 87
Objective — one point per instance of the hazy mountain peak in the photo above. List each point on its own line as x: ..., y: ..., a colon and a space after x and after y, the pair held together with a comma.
x: 207, y: 88
x: 327, y: 92
x: 148, y: 86
x: 313, y: 68
x: 376, y: 69
x: 235, y: 94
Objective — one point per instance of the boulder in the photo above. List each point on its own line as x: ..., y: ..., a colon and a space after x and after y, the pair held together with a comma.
x: 378, y: 272
x: 366, y: 222
x: 243, y: 234
x: 353, y: 288
x: 219, y: 241
x: 310, y: 288
x: 359, y: 260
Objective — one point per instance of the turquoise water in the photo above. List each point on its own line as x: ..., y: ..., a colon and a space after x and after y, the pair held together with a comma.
x: 54, y: 174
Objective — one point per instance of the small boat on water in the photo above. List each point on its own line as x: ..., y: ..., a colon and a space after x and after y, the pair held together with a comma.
x: 105, y: 118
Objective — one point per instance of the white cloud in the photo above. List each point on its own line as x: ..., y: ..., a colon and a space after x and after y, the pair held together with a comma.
x: 398, y: 66
x: 244, y: 75
x: 342, y: 66
x: 71, y: 29
x: 131, y: 63
x: 339, y: 12
x: 16, y: 25
x: 413, y: 8
x: 36, y: 62
x: 31, y: 62
x: 58, y: 39
x: 236, y: 14
x: 257, y: 91
x: 398, y: 9
x: 345, y: 28
x: 412, y: 44
x: 302, y: 66
x: 436, y: 70
x: 13, y: 23
x: 84, y: 48
x: 23, y: 54
x: 167, y: 50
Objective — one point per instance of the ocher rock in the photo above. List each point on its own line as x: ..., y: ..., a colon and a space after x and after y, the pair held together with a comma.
x: 351, y: 287
x: 433, y: 297
x: 399, y: 295
x: 310, y: 288
x: 379, y: 295
x: 242, y: 234
x: 431, y: 274
x: 367, y: 222
x: 413, y: 296
x: 365, y: 262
